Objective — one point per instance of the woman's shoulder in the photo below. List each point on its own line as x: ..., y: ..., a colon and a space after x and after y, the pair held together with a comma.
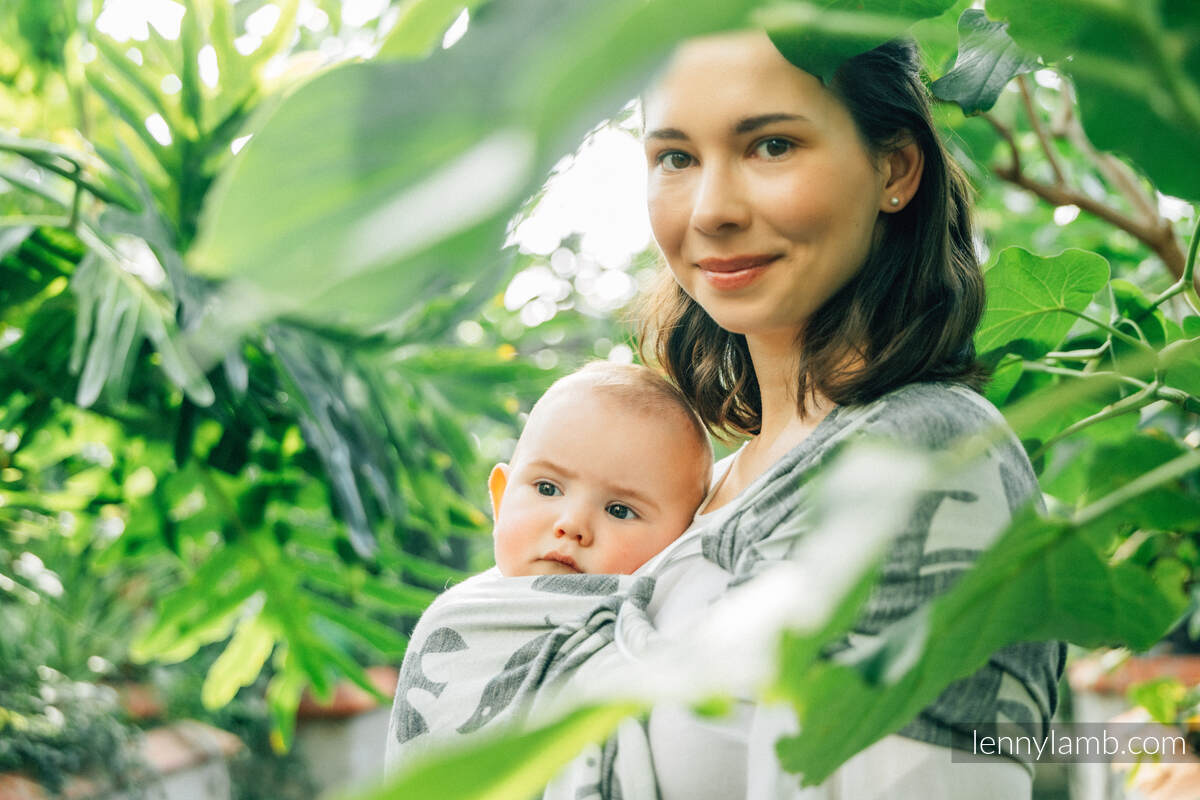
x: 933, y: 415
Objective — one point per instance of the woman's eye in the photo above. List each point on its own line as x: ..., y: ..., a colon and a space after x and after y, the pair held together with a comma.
x: 673, y: 160
x: 621, y: 511
x: 773, y: 148
x: 546, y: 488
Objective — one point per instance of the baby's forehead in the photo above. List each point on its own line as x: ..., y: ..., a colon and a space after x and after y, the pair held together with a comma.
x: 636, y: 405
x: 641, y: 411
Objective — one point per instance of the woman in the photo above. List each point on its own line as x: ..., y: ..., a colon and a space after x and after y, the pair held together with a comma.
x: 822, y: 284
x: 821, y: 287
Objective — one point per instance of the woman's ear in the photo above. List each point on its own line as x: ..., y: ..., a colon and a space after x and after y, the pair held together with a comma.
x: 497, y: 481
x: 902, y: 170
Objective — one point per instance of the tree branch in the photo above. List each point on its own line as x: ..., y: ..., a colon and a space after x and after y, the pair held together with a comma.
x: 1113, y: 169
x: 1007, y: 136
x: 1043, y: 139
x: 1147, y: 227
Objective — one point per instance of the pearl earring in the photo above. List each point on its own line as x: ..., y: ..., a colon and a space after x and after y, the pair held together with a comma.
x: 895, y: 201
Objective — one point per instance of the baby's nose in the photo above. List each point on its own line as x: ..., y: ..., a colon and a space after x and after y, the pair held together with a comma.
x: 574, y: 526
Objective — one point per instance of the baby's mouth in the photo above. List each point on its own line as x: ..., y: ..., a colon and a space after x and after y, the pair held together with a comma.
x: 563, y: 559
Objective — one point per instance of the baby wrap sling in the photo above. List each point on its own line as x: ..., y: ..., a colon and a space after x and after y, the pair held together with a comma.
x: 494, y: 651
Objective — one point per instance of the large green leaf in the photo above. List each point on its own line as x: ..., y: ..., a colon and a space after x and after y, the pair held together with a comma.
x: 819, y: 36
x: 1136, y: 67
x: 371, y: 168
x: 239, y: 663
x: 421, y: 25
x: 1032, y: 298
x: 116, y: 313
x: 1181, y: 364
x: 1041, y: 580
x: 1116, y: 464
x: 987, y: 60
x: 511, y: 767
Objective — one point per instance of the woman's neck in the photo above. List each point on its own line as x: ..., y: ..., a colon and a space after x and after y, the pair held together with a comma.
x: 776, y: 366
x: 777, y: 369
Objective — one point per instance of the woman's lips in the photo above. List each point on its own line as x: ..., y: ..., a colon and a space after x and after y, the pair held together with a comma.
x: 734, y: 273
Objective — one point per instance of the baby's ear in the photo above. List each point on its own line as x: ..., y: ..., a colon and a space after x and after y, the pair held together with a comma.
x: 496, y: 483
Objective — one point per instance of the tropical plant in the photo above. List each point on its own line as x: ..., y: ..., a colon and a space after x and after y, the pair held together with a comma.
x: 278, y: 343
x: 310, y: 491
x: 1094, y: 372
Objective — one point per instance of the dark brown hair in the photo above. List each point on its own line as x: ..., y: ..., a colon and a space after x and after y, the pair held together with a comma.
x: 908, y: 315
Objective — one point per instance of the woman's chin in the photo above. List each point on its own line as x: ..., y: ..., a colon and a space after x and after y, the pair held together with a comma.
x: 753, y: 325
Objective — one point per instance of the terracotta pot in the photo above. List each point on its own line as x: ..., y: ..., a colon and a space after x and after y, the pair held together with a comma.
x: 349, y: 698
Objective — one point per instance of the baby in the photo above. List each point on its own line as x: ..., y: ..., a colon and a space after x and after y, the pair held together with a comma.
x: 609, y: 470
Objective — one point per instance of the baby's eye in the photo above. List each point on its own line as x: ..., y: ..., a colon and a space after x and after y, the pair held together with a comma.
x: 546, y: 488
x: 773, y: 148
x: 621, y: 511
x: 674, y: 160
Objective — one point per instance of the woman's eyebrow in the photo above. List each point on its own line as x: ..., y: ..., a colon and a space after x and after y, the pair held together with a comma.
x: 749, y: 124
x: 667, y: 133
x: 743, y: 125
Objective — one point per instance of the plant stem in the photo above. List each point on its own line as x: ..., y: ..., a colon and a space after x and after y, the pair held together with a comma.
x: 1175, y: 468
x: 1123, y: 406
x: 1189, y: 268
x: 1186, y: 284
x: 1038, y: 129
x: 1187, y: 402
x: 1080, y: 355
x: 1037, y: 366
x: 1151, y: 230
x: 1104, y: 326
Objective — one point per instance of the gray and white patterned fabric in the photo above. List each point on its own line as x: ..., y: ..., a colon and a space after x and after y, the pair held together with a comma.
x: 493, y: 651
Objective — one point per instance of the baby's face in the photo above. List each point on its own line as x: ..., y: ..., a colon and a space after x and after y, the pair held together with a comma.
x: 595, y: 486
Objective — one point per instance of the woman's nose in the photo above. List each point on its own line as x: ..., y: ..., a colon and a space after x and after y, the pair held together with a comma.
x: 718, y: 204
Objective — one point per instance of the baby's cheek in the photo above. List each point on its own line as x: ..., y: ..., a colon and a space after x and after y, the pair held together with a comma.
x: 508, y: 552
x: 628, y: 555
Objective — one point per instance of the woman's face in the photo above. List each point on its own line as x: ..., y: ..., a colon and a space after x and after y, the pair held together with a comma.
x: 762, y: 196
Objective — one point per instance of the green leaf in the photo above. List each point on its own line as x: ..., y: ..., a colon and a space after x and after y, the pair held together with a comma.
x: 1133, y: 304
x: 283, y: 698
x: 239, y: 663
x: 190, y: 40
x: 421, y: 26
x: 987, y: 60
x: 1165, y: 508
x: 390, y: 644
x: 1004, y: 379
x: 85, y: 170
x: 1031, y: 297
x: 375, y: 168
x: 1181, y: 364
x: 116, y: 313
x: 192, y: 617
x: 280, y: 36
x: 1136, y: 70
x: 11, y: 239
x: 397, y: 597
x: 1039, y: 563
x: 1161, y: 697
x: 512, y: 767
x: 818, y: 36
